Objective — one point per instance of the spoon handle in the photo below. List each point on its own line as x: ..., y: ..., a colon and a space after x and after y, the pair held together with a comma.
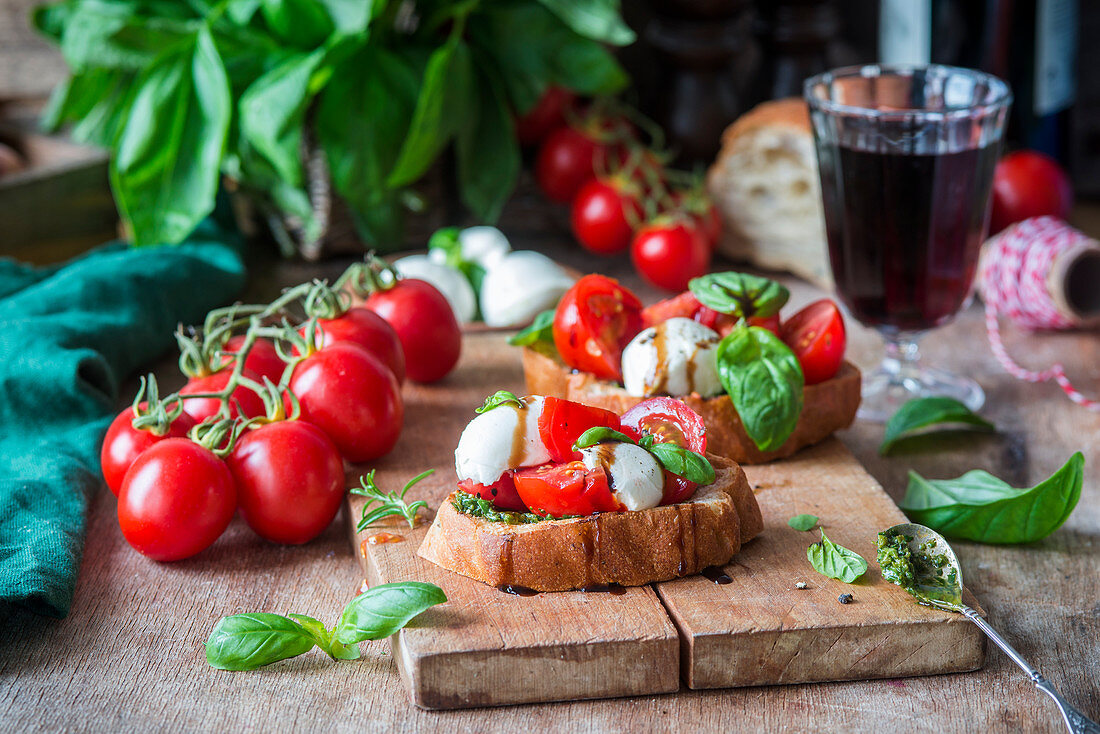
x: 1076, y: 722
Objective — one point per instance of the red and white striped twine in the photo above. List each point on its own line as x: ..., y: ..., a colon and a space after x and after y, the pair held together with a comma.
x: 1013, y: 283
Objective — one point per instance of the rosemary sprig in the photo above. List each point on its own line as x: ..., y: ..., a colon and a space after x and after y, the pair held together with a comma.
x: 390, y: 504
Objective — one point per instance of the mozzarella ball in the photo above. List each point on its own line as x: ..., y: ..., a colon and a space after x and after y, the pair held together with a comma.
x: 520, y: 286
x: 506, y: 437
x: 675, y: 357
x: 636, y: 478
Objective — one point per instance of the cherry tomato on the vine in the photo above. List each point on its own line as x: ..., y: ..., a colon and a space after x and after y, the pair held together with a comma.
x: 351, y: 396
x: 547, y: 115
x: 123, y: 444
x: 569, y: 158
x: 669, y: 253
x: 594, y: 321
x: 369, y: 330
x: 262, y: 358
x: 816, y: 336
x: 290, y: 480
x: 604, y: 214
x: 1028, y: 184
x: 200, y: 409
x: 176, y: 500
x: 425, y: 324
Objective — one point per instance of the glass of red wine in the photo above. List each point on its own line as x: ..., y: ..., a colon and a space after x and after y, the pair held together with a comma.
x: 906, y: 157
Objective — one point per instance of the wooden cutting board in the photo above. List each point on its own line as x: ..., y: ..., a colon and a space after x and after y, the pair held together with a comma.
x: 485, y: 647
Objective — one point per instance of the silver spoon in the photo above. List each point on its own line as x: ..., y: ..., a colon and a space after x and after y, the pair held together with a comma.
x: 930, y: 572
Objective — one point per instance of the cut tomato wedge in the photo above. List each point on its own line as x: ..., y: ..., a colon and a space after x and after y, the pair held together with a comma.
x: 562, y: 422
x: 816, y: 336
x: 501, y: 493
x: 669, y: 421
x: 594, y: 320
x: 566, y: 489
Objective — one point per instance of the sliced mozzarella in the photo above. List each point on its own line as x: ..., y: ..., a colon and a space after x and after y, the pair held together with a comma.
x: 520, y: 286
x: 636, y: 478
x: 449, y: 281
x: 506, y: 437
x: 675, y: 357
x: 483, y: 245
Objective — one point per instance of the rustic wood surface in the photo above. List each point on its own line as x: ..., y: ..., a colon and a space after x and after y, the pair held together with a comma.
x: 130, y: 655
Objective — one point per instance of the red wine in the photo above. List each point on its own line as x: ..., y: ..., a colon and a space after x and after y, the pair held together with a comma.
x: 905, y: 231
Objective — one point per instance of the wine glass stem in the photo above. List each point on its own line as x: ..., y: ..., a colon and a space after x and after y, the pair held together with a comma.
x: 902, y: 354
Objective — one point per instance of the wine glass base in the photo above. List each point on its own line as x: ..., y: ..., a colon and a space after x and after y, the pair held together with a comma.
x: 894, y: 383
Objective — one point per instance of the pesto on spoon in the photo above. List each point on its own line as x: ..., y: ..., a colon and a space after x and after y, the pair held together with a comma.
x: 919, y: 560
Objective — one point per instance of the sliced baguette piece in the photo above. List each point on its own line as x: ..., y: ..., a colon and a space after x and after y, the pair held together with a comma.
x: 826, y: 407
x: 627, y: 548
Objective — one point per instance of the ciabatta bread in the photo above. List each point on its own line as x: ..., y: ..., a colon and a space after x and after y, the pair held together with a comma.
x: 826, y: 407
x: 766, y: 185
x: 627, y: 548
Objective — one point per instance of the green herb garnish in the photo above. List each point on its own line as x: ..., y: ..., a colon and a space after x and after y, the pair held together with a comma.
x: 541, y: 330
x: 678, y: 460
x: 740, y: 294
x: 836, y: 561
x: 474, y: 506
x: 497, y: 399
x: 390, y: 504
x: 803, y: 522
x: 924, y: 412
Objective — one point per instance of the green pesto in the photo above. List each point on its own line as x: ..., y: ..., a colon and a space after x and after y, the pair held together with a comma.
x: 468, y: 504
x: 921, y: 574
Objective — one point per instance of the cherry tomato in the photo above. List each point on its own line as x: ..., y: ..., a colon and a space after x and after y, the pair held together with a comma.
x: 687, y: 306
x: 562, y: 422
x: 566, y: 489
x: 669, y: 421
x: 816, y: 336
x: 290, y: 480
x: 547, y: 115
x: 501, y: 493
x: 369, y: 330
x: 425, y: 324
x: 594, y: 321
x: 262, y: 358
x: 670, y: 253
x: 568, y: 159
x: 176, y: 500
x: 604, y: 214
x: 200, y: 409
x: 1028, y: 184
x: 698, y: 205
x: 123, y: 444
x: 351, y: 396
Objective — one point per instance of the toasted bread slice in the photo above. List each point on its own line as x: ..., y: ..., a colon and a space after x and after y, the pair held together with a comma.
x: 627, y: 548
x: 826, y: 407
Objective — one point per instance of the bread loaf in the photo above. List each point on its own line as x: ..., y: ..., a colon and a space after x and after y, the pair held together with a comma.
x: 765, y: 183
x: 626, y: 548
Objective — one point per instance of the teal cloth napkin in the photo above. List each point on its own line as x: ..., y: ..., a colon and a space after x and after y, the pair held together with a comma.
x: 69, y: 335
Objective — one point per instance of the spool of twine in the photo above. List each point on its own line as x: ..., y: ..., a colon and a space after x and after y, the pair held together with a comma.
x: 1041, y: 274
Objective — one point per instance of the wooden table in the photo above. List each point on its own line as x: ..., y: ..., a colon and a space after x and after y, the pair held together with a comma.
x: 130, y: 655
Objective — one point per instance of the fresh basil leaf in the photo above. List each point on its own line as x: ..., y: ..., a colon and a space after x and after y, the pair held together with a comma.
x: 50, y: 19
x: 978, y: 506
x: 803, y: 522
x: 685, y: 463
x: 589, y: 68
x: 500, y: 397
x: 740, y: 294
x: 384, y: 609
x: 599, y: 20
x: 764, y: 380
x: 353, y: 17
x: 487, y: 152
x: 96, y: 100
x: 166, y: 168
x: 323, y: 638
x: 836, y: 561
x: 923, y: 412
x: 361, y: 145
x: 119, y: 36
x: 241, y: 12
x: 540, y: 330
x: 441, y: 110
x: 299, y: 23
x: 595, y: 435
x: 249, y: 641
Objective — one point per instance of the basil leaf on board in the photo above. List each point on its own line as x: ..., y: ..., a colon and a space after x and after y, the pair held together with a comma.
x: 167, y: 167
x: 249, y: 641
x: 323, y: 638
x: 500, y: 397
x: 836, y: 561
x: 441, y: 110
x: 540, y: 330
x: 803, y: 522
x: 596, y: 434
x: 487, y: 153
x: 685, y: 463
x: 740, y: 294
x: 978, y: 506
x: 764, y: 380
x: 596, y: 19
x: 384, y: 609
x: 923, y: 412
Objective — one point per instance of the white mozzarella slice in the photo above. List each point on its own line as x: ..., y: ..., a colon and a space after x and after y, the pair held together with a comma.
x: 506, y: 437
x: 675, y: 357
x: 636, y: 478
